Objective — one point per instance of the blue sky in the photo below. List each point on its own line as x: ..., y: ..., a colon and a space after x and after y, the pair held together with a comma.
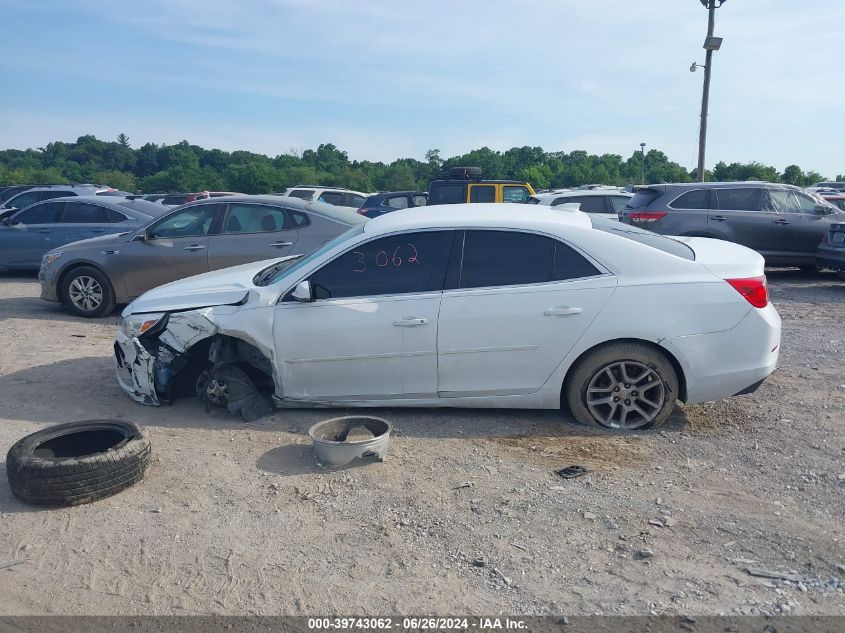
x: 388, y: 79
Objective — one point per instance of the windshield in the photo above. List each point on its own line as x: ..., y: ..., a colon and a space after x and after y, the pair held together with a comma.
x: 300, y: 263
x: 660, y: 242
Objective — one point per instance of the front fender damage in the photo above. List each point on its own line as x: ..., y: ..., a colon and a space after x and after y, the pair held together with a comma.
x: 210, y: 353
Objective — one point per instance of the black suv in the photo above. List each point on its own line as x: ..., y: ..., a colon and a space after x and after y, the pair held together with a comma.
x: 783, y: 223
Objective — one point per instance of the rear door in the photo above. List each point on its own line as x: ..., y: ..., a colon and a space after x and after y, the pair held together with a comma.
x: 81, y: 220
x: 23, y: 243
x: 177, y: 247
x: 741, y: 215
x: 482, y: 193
x: 251, y: 232
x: 518, y: 304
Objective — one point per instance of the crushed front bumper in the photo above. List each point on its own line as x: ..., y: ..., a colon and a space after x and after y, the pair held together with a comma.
x: 135, y: 369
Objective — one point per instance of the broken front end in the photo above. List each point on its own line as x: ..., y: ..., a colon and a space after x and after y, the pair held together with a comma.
x: 164, y: 356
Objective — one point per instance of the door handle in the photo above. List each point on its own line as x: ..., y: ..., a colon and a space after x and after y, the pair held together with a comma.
x: 195, y: 247
x: 44, y: 231
x: 718, y: 218
x: 410, y: 321
x: 98, y: 230
x: 563, y: 311
x: 281, y: 244
x: 782, y: 221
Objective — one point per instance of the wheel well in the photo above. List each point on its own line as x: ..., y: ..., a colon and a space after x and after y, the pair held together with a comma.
x: 70, y: 269
x: 682, y: 381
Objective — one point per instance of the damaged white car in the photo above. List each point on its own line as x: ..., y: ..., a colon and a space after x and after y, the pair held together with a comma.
x: 465, y: 306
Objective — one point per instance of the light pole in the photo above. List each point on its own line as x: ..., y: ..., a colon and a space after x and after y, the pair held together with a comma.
x: 710, y: 44
x: 642, y: 163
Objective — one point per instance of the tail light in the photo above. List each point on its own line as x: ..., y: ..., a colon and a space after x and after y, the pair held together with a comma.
x: 362, y: 211
x: 754, y: 289
x: 647, y: 216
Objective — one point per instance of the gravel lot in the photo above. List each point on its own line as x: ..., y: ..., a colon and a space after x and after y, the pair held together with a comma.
x: 466, y: 515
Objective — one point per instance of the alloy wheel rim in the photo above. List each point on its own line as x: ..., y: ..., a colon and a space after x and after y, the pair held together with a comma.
x: 86, y: 293
x: 625, y: 395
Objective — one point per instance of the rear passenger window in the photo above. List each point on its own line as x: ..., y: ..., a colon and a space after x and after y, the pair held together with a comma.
x: 698, y: 199
x: 398, y: 202
x: 619, y: 202
x: 739, y: 199
x: 299, y: 218
x: 116, y: 216
x: 505, y: 258
x: 254, y: 218
x: 570, y: 264
x: 399, y: 264
x: 483, y: 193
x: 82, y: 213
x: 353, y: 200
x: 589, y: 204
x: 331, y: 197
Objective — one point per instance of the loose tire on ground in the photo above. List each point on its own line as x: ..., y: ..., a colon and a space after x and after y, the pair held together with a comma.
x: 79, y: 462
x: 87, y: 279
x: 597, y: 394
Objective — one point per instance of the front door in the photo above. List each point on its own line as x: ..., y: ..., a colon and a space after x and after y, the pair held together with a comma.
x: 371, y: 331
x: 251, y: 232
x: 522, y: 302
x: 176, y: 247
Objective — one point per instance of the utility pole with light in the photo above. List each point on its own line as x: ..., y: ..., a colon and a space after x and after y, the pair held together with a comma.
x: 642, y: 163
x: 710, y: 44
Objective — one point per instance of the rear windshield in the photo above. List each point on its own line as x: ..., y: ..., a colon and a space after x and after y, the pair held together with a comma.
x: 642, y: 199
x: 660, y: 242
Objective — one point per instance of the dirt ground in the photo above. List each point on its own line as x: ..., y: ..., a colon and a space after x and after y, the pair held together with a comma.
x: 236, y: 518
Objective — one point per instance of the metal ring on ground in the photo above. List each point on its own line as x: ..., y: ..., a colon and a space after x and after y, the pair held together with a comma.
x: 334, y: 448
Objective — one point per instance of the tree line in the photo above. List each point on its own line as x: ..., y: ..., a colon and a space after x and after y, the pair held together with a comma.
x: 186, y: 167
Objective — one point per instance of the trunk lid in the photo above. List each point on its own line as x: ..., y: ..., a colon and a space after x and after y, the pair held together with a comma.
x: 725, y: 259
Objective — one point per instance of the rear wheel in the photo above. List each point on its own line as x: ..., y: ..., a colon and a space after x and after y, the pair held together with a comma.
x: 88, y: 292
x: 626, y: 386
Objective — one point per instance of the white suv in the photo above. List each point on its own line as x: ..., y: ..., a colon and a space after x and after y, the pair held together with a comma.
x: 607, y: 203
x: 328, y: 195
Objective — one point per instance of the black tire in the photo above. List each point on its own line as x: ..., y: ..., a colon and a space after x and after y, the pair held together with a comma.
x: 464, y: 173
x: 601, y: 367
x: 79, y: 462
x: 82, y: 276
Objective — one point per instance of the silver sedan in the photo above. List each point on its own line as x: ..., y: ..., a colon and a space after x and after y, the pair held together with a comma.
x: 91, y: 276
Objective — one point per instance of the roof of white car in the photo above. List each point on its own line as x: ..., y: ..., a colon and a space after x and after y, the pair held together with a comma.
x: 481, y: 215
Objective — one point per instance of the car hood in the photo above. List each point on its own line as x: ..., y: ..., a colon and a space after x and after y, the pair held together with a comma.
x: 98, y: 242
x: 219, y: 287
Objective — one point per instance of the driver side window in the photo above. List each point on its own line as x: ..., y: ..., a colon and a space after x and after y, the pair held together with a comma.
x: 195, y: 221
x: 399, y: 264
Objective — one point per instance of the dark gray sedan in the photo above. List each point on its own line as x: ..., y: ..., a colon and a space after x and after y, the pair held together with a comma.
x: 92, y: 276
x: 29, y: 233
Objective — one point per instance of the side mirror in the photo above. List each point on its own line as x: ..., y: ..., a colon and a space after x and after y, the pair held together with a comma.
x: 302, y: 292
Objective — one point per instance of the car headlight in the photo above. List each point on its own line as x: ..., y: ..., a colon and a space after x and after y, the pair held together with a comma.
x: 49, y: 258
x: 137, y: 324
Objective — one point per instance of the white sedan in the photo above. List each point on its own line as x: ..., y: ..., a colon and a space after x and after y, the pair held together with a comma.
x: 465, y: 306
